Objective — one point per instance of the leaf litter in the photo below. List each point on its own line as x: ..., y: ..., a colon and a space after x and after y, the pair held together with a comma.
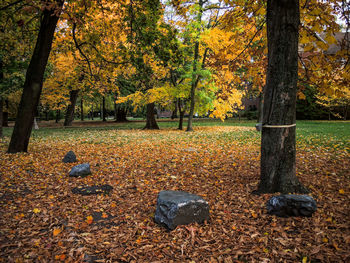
x: 42, y: 220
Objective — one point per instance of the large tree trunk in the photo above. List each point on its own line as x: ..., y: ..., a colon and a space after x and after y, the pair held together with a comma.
x: 73, y: 96
x: 81, y: 109
x: 151, y: 123
x: 278, y: 139
x: 34, y: 81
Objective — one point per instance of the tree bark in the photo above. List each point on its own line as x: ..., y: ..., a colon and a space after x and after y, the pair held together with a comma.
x: 120, y: 113
x: 34, y: 80
x: 104, y: 112
x: 278, y: 143
x: 151, y: 123
x: 195, y: 77
x: 73, y: 96
x: 58, y: 115
x: 182, y: 113
x: 81, y: 109
x: 174, y: 113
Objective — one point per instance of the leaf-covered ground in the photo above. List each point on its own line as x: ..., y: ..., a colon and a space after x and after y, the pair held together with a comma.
x: 43, y: 221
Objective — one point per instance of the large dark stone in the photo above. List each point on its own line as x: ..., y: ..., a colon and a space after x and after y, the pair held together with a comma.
x: 180, y: 208
x: 291, y: 205
x: 80, y: 170
x: 69, y: 157
x: 92, y: 190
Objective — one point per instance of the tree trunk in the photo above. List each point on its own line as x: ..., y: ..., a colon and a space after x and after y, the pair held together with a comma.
x: 73, y: 96
x: 174, y: 113
x: 58, y: 115
x: 182, y: 113
x: 151, y: 123
x: 81, y: 109
x: 34, y: 81
x: 92, y: 112
x: 279, y: 109
x: 1, y: 114
x: 120, y: 114
x: 104, y: 113
x: 195, y: 77
x: 5, y: 115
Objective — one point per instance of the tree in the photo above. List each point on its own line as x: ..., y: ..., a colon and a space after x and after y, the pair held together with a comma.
x: 34, y: 79
x: 278, y: 133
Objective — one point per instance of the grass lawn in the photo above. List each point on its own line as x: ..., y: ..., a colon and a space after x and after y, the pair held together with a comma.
x: 42, y: 220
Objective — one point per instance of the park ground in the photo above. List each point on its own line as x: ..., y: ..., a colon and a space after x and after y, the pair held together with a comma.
x: 43, y: 221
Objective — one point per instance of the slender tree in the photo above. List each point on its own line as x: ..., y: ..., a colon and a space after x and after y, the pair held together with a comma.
x: 34, y: 79
x: 278, y: 130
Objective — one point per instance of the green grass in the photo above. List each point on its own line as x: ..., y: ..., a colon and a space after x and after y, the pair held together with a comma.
x: 310, y: 134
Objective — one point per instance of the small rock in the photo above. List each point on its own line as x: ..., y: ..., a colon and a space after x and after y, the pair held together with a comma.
x: 69, y: 157
x: 180, y: 208
x: 92, y: 190
x: 291, y: 205
x: 80, y: 170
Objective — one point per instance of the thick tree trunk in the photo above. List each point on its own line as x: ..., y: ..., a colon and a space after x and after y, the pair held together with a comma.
x: 34, y: 80
x: 151, y: 123
x: 1, y: 114
x: 73, y: 96
x: 104, y: 112
x: 58, y: 115
x: 278, y: 142
x: 81, y: 109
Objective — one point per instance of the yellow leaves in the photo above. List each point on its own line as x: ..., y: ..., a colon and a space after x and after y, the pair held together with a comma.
x: 56, y: 231
x: 36, y: 210
x: 304, y: 260
x: 325, y: 240
x: 341, y: 191
x: 61, y: 257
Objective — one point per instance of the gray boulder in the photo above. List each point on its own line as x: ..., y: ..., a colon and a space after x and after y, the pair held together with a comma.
x: 69, y: 157
x: 81, y: 170
x: 291, y: 205
x: 180, y: 208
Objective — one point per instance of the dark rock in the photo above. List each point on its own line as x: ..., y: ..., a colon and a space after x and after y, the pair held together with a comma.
x: 291, y: 205
x: 80, y: 170
x: 92, y: 190
x: 69, y: 157
x: 180, y: 208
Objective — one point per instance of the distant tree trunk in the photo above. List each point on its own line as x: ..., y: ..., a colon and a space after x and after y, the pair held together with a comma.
x: 92, y: 111
x: 104, y: 112
x: 5, y: 114
x: 46, y: 114
x: 34, y: 80
x: 1, y: 114
x: 182, y: 113
x: 81, y: 109
x: 120, y: 113
x: 58, y: 115
x: 278, y: 143
x: 35, y: 124
x: 151, y: 123
x: 260, y: 107
x: 73, y: 96
x: 174, y: 113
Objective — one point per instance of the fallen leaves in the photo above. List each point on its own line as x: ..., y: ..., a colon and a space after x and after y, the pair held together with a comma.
x: 43, y: 220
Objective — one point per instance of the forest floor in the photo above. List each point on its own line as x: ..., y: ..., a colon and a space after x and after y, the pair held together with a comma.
x: 43, y: 221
